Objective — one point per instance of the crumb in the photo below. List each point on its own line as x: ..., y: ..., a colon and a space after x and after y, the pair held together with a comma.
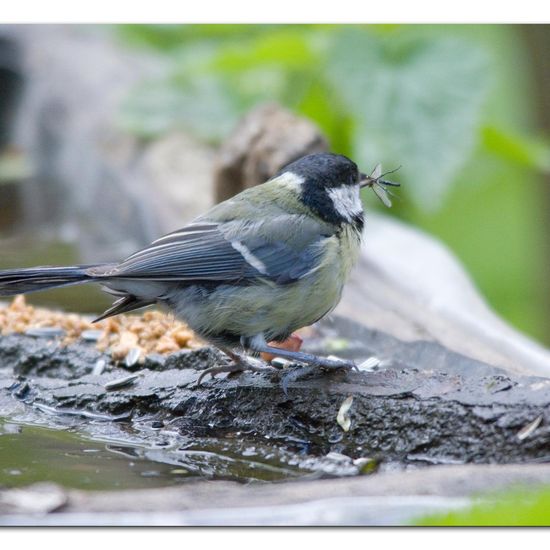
x: 150, y: 332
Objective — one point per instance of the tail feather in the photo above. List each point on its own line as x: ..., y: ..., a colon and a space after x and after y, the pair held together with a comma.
x: 21, y: 281
x: 124, y: 305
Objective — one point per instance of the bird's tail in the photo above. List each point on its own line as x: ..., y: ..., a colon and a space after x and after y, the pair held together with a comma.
x: 21, y: 281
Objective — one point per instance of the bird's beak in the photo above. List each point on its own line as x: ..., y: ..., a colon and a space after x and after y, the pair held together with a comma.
x: 364, y: 180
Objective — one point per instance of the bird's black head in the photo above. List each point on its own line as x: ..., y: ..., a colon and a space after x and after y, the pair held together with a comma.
x: 329, y: 185
x: 325, y: 170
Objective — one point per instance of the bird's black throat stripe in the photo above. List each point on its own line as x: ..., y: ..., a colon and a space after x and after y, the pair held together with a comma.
x: 358, y: 222
x: 322, y: 204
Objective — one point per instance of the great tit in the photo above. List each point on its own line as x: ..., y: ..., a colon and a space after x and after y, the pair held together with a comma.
x: 252, y: 270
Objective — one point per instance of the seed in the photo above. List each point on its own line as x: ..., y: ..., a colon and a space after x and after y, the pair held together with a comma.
x: 45, y: 332
x: 121, y: 382
x: 99, y: 367
x: 132, y: 357
x: 370, y: 364
x: 526, y: 431
x: 91, y: 335
x: 343, y: 417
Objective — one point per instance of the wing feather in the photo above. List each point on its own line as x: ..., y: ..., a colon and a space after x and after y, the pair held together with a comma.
x: 230, y: 251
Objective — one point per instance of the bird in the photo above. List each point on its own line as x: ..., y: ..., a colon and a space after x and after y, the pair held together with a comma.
x: 250, y: 271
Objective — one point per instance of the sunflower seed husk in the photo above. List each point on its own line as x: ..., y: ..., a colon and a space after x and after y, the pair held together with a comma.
x: 45, y: 332
x: 132, y: 357
x: 526, y: 431
x: 370, y: 364
x: 99, y: 367
x: 91, y: 335
x: 121, y: 382
x: 343, y: 417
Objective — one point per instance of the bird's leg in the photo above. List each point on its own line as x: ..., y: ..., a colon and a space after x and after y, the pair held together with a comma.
x: 258, y: 344
x: 240, y: 363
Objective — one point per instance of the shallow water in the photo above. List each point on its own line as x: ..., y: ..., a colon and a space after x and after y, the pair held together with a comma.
x: 30, y: 454
x: 67, y: 455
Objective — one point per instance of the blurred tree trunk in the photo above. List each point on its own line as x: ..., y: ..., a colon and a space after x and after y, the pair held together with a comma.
x: 537, y: 40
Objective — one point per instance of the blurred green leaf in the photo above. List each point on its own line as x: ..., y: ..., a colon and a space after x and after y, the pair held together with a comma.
x: 415, y: 103
x: 205, y: 106
x: 287, y: 48
x: 515, y: 508
x: 322, y: 105
x: 207, y: 88
x: 525, y: 150
x: 171, y: 37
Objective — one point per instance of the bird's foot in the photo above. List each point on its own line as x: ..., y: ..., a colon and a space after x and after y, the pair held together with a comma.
x: 333, y: 363
x: 239, y: 365
x: 258, y: 344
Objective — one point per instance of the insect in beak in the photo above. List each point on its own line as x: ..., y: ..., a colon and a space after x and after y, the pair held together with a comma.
x: 378, y: 185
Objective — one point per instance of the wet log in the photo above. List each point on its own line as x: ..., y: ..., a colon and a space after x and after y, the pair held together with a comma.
x: 425, y: 405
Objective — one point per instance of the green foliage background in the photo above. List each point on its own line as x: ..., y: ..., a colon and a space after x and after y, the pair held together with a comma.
x: 520, y: 507
x: 452, y: 105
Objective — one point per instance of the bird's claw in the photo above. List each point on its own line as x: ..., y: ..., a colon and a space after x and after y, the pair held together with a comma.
x: 322, y: 363
x: 330, y: 363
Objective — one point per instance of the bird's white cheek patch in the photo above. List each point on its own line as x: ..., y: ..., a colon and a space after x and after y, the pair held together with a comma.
x: 256, y: 263
x: 346, y: 200
x: 290, y: 180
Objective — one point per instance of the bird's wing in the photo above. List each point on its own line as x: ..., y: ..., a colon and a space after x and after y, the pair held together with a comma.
x: 230, y: 251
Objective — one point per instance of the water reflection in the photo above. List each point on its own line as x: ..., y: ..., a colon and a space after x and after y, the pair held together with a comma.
x: 30, y: 454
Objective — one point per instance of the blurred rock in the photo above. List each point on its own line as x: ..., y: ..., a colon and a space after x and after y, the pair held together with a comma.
x: 40, y: 498
x: 393, y: 498
x: 410, y: 285
x: 94, y: 183
x: 182, y: 169
x: 11, y: 82
x: 267, y: 138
